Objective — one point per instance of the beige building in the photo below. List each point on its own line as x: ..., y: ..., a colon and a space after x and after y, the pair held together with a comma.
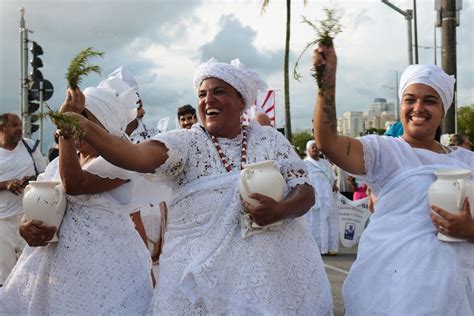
x: 353, y: 123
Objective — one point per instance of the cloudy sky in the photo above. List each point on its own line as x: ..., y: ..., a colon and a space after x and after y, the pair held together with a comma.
x: 162, y: 42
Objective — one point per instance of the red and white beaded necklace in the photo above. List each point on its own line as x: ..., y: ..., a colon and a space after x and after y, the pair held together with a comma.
x: 224, y: 159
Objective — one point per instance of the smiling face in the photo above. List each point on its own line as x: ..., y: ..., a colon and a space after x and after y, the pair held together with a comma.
x: 187, y: 120
x: 421, y: 112
x: 220, y: 108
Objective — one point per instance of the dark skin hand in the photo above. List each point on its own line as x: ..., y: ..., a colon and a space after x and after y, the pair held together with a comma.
x: 265, y: 213
x: 269, y: 211
x: 460, y: 225
x: 36, y: 233
x: 16, y: 186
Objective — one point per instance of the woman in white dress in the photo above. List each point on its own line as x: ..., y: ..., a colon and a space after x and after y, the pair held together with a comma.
x: 213, y: 261
x: 401, y: 267
x: 99, y: 265
x: 323, y: 217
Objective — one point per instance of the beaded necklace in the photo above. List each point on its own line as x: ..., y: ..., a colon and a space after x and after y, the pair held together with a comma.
x: 223, y: 157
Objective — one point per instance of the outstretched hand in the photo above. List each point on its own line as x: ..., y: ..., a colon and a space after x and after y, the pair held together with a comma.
x: 75, y: 101
x: 460, y: 225
x: 36, y: 233
x: 265, y: 213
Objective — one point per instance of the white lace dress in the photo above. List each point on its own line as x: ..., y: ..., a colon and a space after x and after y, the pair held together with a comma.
x: 323, y: 217
x: 206, y: 266
x: 100, y: 266
x: 401, y: 267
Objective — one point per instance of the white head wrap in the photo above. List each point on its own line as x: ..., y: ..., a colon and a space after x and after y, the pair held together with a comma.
x: 247, y: 82
x: 309, y: 144
x: 109, y: 108
x: 116, y: 81
x: 430, y: 75
x: 123, y: 73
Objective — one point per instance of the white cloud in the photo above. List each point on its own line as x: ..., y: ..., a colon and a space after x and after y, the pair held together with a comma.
x: 163, y: 41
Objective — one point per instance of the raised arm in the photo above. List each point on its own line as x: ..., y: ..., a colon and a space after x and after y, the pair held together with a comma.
x: 344, y: 151
x: 144, y: 157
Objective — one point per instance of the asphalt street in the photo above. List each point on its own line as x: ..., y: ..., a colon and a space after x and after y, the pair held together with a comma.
x: 337, y: 268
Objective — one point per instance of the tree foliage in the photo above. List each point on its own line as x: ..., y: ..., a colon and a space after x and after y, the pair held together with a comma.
x: 466, y: 121
x: 299, y: 140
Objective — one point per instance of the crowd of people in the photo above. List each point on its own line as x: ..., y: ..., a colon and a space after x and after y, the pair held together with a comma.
x: 136, y: 196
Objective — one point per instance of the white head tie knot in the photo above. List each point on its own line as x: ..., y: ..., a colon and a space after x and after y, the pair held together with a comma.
x: 247, y: 82
x: 430, y: 75
x: 109, y: 108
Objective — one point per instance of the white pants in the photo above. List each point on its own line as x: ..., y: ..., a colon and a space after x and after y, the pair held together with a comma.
x: 11, y: 245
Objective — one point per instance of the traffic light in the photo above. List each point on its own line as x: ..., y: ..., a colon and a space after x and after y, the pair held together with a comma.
x: 32, y: 116
x: 36, y: 62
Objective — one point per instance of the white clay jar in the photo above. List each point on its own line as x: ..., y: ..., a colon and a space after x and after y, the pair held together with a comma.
x: 45, y: 201
x: 449, y: 192
x: 264, y: 178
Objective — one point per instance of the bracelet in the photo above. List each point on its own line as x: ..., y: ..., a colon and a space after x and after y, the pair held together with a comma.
x: 60, y: 133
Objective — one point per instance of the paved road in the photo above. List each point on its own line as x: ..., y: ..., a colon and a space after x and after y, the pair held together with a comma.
x: 337, y: 268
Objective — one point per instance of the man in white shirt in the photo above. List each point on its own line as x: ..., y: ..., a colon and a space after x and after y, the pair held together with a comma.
x: 20, y: 161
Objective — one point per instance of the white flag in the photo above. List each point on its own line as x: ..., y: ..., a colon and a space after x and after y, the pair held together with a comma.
x: 162, y: 125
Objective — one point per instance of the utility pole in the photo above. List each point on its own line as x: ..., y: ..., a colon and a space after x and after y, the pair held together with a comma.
x: 415, y: 32
x: 26, y: 124
x: 448, y: 57
x: 288, y: 132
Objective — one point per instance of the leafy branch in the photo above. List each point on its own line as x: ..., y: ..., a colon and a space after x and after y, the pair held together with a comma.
x: 325, y: 31
x: 67, y: 124
x: 79, y: 67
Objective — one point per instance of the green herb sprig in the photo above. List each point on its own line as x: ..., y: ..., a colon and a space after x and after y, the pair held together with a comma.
x: 80, y: 67
x: 325, y: 31
x: 67, y: 124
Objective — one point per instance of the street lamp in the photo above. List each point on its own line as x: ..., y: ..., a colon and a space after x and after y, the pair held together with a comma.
x: 408, y: 14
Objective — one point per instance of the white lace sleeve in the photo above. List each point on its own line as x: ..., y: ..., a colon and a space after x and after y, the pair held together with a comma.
x: 178, y: 143
x: 104, y: 169
x: 292, y: 167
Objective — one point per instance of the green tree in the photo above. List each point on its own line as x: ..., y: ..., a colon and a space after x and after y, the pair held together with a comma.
x: 286, y: 66
x: 466, y: 121
x: 300, y: 138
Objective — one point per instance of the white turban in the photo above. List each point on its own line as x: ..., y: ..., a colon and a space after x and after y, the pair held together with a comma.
x: 247, y: 82
x: 109, y: 108
x: 122, y: 81
x: 309, y: 144
x: 430, y: 75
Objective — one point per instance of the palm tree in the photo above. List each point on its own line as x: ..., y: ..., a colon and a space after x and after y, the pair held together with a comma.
x: 286, y: 66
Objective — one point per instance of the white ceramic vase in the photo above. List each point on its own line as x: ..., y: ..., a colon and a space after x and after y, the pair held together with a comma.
x: 261, y: 177
x: 45, y: 201
x: 449, y: 192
